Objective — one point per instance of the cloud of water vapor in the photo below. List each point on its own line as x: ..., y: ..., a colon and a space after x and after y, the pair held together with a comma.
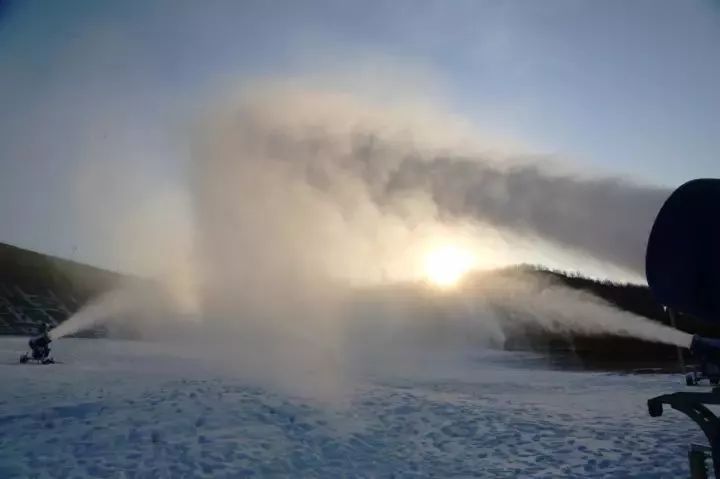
x: 527, y: 300
x: 324, y: 163
x: 304, y: 198
x: 607, y: 218
x: 409, y: 326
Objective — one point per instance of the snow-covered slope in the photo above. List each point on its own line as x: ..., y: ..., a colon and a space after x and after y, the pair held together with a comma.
x: 121, y: 409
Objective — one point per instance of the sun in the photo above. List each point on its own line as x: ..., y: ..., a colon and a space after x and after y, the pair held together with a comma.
x: 444, y: 266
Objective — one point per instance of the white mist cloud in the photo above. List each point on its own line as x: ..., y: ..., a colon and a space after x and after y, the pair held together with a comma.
x: 341, y: 165
x: 300, y: 195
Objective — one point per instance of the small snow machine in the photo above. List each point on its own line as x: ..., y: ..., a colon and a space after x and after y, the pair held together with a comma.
x: 39, y: 349
x: 683, y: 271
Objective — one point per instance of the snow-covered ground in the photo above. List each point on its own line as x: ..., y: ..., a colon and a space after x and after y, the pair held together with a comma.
x: 122, y: 409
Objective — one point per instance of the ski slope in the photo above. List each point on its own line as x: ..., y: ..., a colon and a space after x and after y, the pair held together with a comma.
x: 120, y: 409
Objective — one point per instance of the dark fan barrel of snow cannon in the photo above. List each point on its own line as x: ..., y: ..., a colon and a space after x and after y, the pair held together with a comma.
x: 706, y: 348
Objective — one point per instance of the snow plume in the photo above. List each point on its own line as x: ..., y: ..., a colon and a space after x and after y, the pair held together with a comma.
x: 330, y: 162
x: 607, y: 218
x: 301, y: 195
x: 134, y: 308
x: 304, y: 198
x: 410, y: 327
x: 522, y: 299
x: 106, y: 307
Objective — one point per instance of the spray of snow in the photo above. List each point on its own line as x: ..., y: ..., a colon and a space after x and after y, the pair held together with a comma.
x: 559, y: 309
x: 304, y: 198
x: 103, y: 308
x: 133, y: 308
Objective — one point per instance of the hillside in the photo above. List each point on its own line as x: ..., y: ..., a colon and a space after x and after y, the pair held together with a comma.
x: 37, y: 288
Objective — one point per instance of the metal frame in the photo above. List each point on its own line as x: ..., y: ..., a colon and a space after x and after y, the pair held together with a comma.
x: 692, y: 404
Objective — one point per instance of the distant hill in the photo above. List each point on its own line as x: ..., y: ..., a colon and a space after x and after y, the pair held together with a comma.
x: 37, y: 288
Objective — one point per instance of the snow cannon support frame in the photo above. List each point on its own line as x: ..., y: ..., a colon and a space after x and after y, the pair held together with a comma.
x: 693, y: 404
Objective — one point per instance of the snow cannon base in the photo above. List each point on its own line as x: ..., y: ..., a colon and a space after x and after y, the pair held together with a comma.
x: 26, y: 358
x: 693, y: 404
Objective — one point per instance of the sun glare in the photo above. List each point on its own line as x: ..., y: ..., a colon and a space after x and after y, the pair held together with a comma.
x: 445, y: 266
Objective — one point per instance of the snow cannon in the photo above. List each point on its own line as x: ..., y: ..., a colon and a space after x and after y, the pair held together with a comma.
x: 40, y: 348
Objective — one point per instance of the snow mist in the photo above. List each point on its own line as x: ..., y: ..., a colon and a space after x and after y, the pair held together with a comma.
x: 312, y: 208
x: 559, y: 309
x: 131, y: 308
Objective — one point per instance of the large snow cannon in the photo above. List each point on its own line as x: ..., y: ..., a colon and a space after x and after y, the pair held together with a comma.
x: 682, y: 264
x: 683, y: 272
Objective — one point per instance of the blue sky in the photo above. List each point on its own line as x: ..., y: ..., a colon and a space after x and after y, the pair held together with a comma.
x: 626, y: 87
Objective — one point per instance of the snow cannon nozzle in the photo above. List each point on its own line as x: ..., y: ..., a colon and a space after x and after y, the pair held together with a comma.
x: 705, y: 348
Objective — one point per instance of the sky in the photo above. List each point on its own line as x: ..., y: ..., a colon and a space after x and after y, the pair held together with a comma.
x: 97, y: 96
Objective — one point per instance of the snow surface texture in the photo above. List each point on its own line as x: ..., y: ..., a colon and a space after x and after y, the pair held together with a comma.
x: 121, y: 409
